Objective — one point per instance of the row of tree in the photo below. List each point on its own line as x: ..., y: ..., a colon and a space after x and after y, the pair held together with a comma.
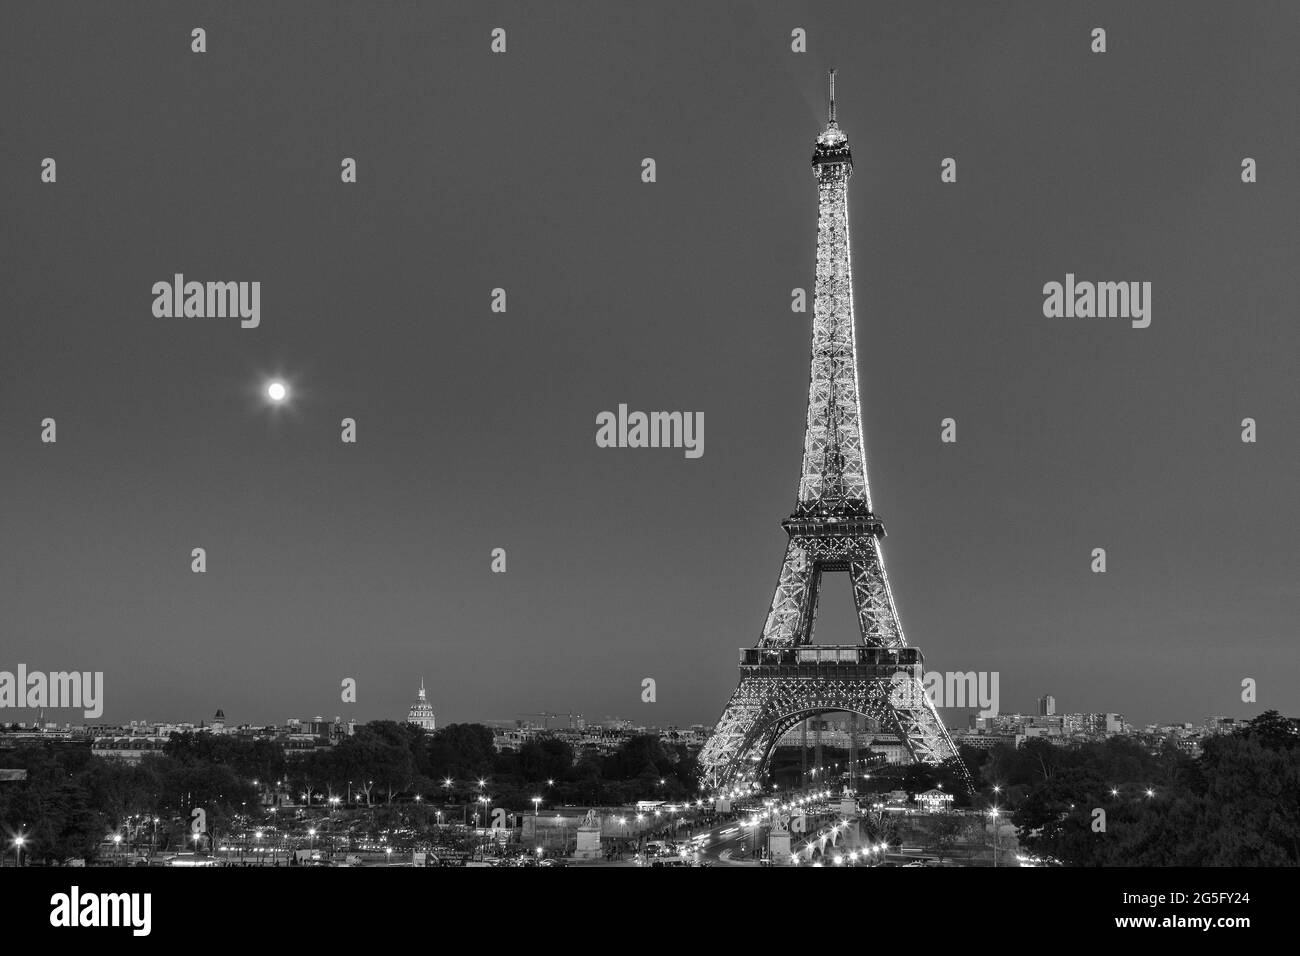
x: 72, y: 800
x: 1236, y: 804
x: 386, y: 761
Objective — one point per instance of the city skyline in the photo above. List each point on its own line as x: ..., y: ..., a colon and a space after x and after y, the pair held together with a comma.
x: 955, y: 718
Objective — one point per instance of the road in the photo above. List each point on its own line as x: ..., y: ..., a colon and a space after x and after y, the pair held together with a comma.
x: 728, y: 844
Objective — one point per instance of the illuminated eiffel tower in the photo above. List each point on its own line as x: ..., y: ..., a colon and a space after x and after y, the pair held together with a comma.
x: 786, y: 678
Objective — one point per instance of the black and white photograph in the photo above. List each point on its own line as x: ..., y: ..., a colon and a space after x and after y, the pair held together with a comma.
x: 358, y: 513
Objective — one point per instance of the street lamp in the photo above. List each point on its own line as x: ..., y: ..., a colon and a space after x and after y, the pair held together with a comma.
x: 997, y: 834
x: 482, y: 836
x: 18, y: 848
x: 117, y: 846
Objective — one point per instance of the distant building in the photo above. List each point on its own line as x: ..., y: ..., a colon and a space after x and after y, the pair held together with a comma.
x: 1222, y: 725
x: 513, y: 738
x: 1046, y: 705
x: 935, y: 800
x: 421, y: 713
x: 129, y: 748
x: 987, y: 739
x: 1055, y: 727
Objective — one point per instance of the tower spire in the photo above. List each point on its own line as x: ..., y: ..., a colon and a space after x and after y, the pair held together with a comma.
x: 832, y: 80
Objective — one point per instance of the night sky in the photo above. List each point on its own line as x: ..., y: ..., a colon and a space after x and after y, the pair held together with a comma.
x: 477, y: 430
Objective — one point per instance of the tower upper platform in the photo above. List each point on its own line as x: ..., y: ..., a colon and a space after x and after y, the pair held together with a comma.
x: 831, y: 148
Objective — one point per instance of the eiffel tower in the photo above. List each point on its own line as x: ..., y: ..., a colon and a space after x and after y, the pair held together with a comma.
x: 786, y: 678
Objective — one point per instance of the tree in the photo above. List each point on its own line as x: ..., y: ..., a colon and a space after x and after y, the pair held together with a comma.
x: 546, y: 759
x: 461, y: 751
x: 945, y: 832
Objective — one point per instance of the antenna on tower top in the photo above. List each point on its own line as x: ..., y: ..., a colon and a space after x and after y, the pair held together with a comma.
x: 832, y: 116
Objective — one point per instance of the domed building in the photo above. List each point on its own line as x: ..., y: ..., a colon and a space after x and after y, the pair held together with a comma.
x: 421, y: 713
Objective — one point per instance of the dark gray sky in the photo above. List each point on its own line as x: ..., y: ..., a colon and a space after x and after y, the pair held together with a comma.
x: 476, y: 430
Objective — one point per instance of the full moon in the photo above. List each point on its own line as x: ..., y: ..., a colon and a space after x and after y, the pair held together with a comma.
x: 276, y: 391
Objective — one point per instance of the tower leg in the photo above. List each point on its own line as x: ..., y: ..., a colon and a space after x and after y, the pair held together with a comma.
x: 853, y: 752
x: 817, y: 757
x: 790, y: 618
x: 803, y: 754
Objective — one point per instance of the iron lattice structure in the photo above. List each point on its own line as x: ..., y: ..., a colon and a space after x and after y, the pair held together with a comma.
x: 785, y: 678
